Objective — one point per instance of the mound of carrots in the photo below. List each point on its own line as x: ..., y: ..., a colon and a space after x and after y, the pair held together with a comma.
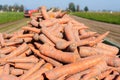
x: 54, y: 46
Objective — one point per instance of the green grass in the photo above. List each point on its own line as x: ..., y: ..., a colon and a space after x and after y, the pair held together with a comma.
x: 113, y: 18
x: 10, y: 17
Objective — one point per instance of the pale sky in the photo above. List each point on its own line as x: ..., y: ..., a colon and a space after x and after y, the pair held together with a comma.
x: 63, y: 4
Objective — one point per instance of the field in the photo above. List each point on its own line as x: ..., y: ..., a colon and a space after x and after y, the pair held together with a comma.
x: 113, y: 18
x: 6, y: 17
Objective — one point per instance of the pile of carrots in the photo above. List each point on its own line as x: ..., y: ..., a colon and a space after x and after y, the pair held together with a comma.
x: 54, y: 46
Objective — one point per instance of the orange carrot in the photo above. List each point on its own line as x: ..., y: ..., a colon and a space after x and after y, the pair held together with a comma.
x: 118, y: 78
x: 32, y: 70
x: 16, y: 71
x: 78, y: 76
x: 8, y: 77
x: 1, y: 70
x: 48, y: 22
x: 63, y: 77
x: 32, y: 29
x: 50, y: 60
x: 73, y: 68
x: 18, y: 51
x: 43, y: 69
x: 76, y: 34
x: 7, y: 36
x: 98, y: 39
x: 18, y: 41
x: 96, y: 70
x: 60, y: 43
x: 110, y: 77
x: 7, y: 50
x: 34, y: 22
x: 87, y: 34
x: 44, y: 12
x: 23, y: 59
x: 6, y: 69
x: 69, y: 32
x: 113, y: 49
x: 2, y: 41
x: 27, y: 39
x: 88, y: 51
x: 44, y: 39
x: 82, y: 32
x: 24, y: 65
x: 50, y: 51
x: 104, y: 74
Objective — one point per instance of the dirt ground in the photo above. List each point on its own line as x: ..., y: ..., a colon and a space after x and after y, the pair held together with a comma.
x: 102, y: 27
x: 13, y: 26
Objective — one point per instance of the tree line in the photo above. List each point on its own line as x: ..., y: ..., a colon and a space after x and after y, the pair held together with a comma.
x: 12, y: 8
x: 72, y: 7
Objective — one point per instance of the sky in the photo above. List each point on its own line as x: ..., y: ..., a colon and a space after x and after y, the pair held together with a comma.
x: 63, y: 4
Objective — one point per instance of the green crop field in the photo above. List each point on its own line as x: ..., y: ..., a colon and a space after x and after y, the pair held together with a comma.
x: 10, y: 16
x: 113, y: 18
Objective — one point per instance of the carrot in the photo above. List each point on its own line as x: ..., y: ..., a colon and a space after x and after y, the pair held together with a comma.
x: 82, y: 32
x: 73, y: 68
x: 6, y: 69
x: 36, y: 30
x: 110, y: 77
x: 50, y: 60
x: 32, y: 70
x: 19, y: 41
x: 44, y: 12
x: 61, y: 14
x: 69, y: 32
x: 78, y: 76
x: 1, y: 70
x: 63, y: 20
x: 23, y: 59
x: 118, y: 78
x: 8, y: 77
x: 96, y: 70
x: 44, y: 39
x: 60, y: 43
x: 43, y: 69
x: 34, y: 23
x: 88, y: 51
x: 24, y: 65
x: 18, y: 51
x: 104, y: 74
x: 113, y: 49
x: 98, y: 39
x: 16, y: 71
x: 112, y: 60
x: 87, y: 34
x: 40, y: 78
x: 27, y: 39
x: 47, y: 50
x: 62, y: 77
x: 7, y: 36
x: 7, y: 50
x: 76, y: 35
x: 2, y: 41
x: 48, y: 22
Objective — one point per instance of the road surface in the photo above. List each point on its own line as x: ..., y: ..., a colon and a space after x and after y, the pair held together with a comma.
x: 102, y: 27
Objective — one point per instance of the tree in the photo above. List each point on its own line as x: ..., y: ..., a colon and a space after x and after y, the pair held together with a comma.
x: 86, y: 9
x: 1, y: 7
x: 78, y: 8
x: 5, y: 7
x: 21, y: 8
x: 71, y: 7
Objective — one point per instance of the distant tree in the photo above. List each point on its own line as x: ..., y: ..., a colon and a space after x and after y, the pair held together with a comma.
x: 71, y: 7
x: 5, y: 7
x: 78, y: 8
x: 16, y: 7
x: 86, y: 9
x: 1, y: 7
x: 21, y: 8
x: 10, y: 7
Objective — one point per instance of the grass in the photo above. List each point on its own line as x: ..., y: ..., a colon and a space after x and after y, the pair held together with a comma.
x: 113, y: 18
x: 6, y: 17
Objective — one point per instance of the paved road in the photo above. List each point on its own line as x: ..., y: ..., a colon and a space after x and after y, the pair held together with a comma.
x: 13, y: 26
x: 102, y: 27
